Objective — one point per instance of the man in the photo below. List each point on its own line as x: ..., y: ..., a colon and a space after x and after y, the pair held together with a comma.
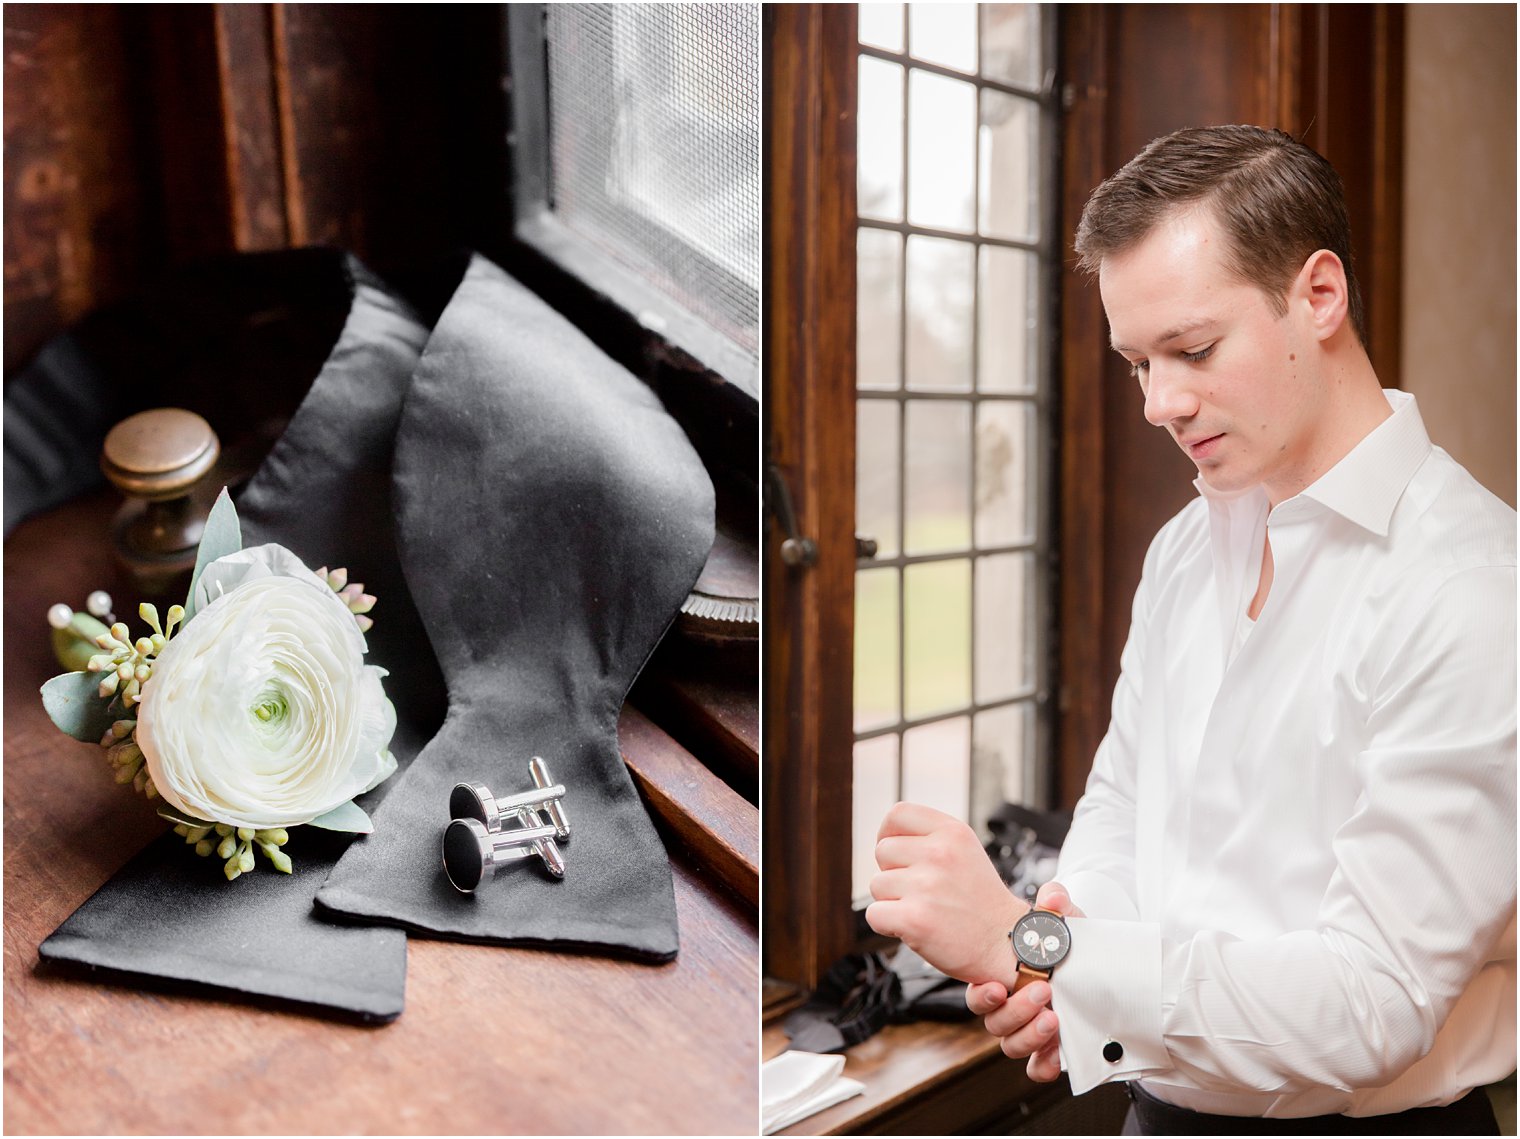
x: 1289, y: 888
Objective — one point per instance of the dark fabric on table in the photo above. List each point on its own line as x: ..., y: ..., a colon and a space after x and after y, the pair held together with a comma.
x: 863, y: 993
x: 57, y: 412
x: 1473, y: 1114
x: 323, y: 491
x: 552, y: 519
x: 169, y: 919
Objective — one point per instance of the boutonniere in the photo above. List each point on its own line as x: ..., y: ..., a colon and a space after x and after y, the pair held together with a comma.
x: 248, y: 710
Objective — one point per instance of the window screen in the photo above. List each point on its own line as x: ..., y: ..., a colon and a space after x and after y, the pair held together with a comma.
x: 654, y: 149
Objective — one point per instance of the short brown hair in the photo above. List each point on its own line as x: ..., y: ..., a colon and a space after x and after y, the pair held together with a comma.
x: 1277, y: 199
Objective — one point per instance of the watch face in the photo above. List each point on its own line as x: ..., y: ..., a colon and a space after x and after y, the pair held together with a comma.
x: 1040, y: 940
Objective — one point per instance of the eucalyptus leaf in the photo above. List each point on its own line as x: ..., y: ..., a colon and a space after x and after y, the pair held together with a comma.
x: 73, y: 701
x: 176, y: 816
x: 349, y: 817
x: 222, y: 536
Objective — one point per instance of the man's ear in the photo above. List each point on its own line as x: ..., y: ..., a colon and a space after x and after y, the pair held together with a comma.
x: 1322, y: 283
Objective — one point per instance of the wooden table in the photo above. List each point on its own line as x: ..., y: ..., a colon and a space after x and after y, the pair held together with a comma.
x: 617, y: 1047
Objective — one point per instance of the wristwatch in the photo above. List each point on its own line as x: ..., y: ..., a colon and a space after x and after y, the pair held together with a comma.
x: 1041, y: 941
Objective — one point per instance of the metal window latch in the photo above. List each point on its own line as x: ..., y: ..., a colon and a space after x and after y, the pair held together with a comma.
x: 795, y: 549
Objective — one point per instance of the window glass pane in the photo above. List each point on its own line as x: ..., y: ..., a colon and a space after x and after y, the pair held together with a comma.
x: 941, y: 285
x: 946, y: 473
x: 941, y: 151
x: 1011, y: 43
x: 882, y: 25
x: 1004, y: 468
x: 937, y: 766
x: 937, y: 623
x: 1009, y: 199
x: 944, y: 34
x: 875, y: 792
x: 938, y: 477
x: 1004, y: 634
x: 876, y: 473
x: 654, y: 136
x: 1001, y: 744
x: 878, y: 309
x: 1006, y: 320
x: 875, y: 648
x: 879, y: 141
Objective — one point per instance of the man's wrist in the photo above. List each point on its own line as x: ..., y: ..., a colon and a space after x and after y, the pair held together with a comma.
x: 1003, y: 965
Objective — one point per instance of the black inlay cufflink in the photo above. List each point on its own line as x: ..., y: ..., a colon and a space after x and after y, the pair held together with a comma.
x: 1113, y: 1051
x: 481, y: 839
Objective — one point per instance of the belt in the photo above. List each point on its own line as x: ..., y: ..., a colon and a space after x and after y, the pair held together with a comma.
x: 1473, y: 1114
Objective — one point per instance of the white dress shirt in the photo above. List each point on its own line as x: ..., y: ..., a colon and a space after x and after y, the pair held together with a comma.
x: 1296, y: 849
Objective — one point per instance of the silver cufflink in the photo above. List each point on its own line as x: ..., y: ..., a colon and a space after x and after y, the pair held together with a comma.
x: 475, y: 801
x: 481, y: 838
x: 470, y: 851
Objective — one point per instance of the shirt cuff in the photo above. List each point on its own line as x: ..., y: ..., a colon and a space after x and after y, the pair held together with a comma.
x: 1098, y: 896
x: 1107, y: 995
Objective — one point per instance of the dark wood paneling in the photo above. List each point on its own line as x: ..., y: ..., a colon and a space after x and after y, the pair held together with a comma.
x: 1382, y: 248
x: 1084, y: 334
x: 192, y: 124
x: 79, y: 221
x: 810, y: 72
x: 140, y: 137
x: 1343, y: 79
x: 252, y: 140
x: 389, y: 115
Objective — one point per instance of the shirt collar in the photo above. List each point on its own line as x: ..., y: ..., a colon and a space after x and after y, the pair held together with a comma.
x: 1367, y: 484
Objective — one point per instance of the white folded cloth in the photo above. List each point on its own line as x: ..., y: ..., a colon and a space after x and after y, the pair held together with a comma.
x: 795, y: 1085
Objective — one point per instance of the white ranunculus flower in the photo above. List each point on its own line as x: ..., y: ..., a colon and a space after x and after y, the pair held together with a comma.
x: 261, y: 712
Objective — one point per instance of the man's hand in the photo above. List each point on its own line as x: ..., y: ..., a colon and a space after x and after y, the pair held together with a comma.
x: 938, y: 892
x: 1026, y: 1026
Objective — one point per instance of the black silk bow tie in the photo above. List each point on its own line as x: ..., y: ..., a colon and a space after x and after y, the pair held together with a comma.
x: 552, y: 518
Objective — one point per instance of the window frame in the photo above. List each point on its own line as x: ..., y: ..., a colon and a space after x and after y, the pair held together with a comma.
x: 534, y: 224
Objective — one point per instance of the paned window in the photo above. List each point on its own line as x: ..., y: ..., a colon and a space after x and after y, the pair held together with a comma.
x: 639, y: 167
x: 955, y: 240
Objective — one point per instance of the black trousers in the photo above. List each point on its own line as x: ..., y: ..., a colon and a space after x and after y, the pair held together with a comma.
x: 1470, y: 1115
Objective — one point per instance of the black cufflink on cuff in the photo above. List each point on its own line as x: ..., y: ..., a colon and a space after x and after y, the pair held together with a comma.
x: 1113, y: 1051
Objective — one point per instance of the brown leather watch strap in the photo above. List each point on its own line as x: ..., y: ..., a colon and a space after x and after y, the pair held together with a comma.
x: 1028, y: 976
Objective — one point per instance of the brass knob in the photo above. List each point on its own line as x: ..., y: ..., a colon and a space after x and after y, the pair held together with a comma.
x: 159, y: 454
x: 156, y: 458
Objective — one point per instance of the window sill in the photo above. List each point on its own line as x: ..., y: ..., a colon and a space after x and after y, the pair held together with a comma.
x: 931, y: 1077
x: 937, y: 1078
x: 711, y: 820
